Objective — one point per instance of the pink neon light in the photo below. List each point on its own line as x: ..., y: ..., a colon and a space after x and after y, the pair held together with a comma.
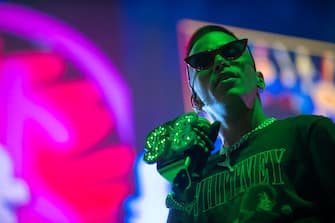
x: 99, y: 182
x: 32, y: 24
x: 13, y: 70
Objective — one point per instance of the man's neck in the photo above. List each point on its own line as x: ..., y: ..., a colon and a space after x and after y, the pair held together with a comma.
x: 234, y: 125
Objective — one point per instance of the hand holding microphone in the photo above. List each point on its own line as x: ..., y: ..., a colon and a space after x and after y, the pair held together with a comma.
x: 196, y: 157
x: 181, y: 148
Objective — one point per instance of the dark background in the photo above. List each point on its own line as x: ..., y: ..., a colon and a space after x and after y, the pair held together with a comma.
x: 141, y: 40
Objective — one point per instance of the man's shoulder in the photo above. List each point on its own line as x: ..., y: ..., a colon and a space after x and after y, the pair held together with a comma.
x: 304, y: 119
x: 306, y: 123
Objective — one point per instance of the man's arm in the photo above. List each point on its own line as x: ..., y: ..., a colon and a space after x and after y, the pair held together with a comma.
x: 181, y: 203
x: 322, y: 150
x: 322, y: 147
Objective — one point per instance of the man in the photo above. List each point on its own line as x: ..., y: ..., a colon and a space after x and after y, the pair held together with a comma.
x: 267, y: 170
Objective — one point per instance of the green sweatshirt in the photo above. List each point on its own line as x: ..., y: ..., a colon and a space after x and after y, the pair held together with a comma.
x: 282, y: 173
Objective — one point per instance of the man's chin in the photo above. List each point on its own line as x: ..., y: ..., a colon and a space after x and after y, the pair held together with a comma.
x: 228, y: 95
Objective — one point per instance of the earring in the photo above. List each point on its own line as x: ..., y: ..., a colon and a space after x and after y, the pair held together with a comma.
x: 260, y: 81
x: 197, y: 104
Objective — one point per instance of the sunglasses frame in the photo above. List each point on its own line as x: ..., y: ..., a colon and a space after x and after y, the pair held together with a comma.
x: 213, y: 53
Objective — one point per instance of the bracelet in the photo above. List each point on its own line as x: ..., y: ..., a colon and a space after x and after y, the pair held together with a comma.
x: 170, y: 202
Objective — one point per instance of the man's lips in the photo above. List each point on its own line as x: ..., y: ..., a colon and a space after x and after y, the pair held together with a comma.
x: 224, y: 76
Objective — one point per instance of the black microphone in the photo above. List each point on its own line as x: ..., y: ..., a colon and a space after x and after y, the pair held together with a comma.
x: 188, y: 165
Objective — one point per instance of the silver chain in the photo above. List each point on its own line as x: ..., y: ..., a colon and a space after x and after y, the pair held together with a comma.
x: 235, y: 146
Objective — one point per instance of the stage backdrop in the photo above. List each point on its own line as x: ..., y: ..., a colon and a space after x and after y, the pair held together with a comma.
x: 67, y: 130
x: 299, y: 75
x: 66, y: 133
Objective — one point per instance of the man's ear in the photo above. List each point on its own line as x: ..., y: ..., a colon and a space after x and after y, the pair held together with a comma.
x: 260, y: 80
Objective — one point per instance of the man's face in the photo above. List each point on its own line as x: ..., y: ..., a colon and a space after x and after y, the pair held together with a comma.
x: 225, y: 78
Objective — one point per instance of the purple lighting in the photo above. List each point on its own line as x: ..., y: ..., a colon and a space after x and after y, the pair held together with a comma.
x: 35, y: 26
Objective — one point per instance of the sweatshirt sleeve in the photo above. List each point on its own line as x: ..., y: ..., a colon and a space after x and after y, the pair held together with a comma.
x: 176, y: 216
x: 322, y: 147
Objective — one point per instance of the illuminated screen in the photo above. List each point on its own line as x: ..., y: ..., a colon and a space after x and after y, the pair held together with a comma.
x: 299, y: 73
x: 66, y: 130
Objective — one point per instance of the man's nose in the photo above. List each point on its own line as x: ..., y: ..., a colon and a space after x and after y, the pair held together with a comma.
x: 219, y: 64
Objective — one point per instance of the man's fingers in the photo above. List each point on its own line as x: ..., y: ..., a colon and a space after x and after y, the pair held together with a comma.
x: 208, y: 135
x: 214, y: 131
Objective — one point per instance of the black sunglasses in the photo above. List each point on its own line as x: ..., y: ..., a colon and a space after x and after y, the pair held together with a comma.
x: 229, y: 51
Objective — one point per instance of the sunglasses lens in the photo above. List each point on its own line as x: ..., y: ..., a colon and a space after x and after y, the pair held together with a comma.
x: 233, y: 50
x: 200, y: 61
x: 204, y: 60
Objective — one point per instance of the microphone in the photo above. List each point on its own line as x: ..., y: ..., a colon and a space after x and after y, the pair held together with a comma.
x: 184, y: 143
x: 192, y: 159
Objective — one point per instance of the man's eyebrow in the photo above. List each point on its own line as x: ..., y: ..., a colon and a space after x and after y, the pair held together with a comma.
x: 207, y: 50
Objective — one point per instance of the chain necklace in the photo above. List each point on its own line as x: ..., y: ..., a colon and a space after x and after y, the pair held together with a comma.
x: 227, y: 150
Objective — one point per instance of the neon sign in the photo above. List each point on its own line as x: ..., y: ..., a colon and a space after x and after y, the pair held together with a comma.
x: 68, y: 133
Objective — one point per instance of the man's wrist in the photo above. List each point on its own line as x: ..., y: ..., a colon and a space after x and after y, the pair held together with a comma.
x: 175, y: 202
